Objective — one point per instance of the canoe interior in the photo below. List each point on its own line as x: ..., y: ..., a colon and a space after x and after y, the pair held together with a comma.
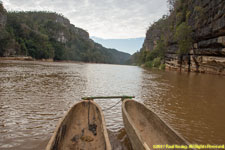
x: 82, y: 128
x: 150, y: 128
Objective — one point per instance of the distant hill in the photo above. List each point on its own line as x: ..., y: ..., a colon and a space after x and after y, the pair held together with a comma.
x: 131, y: 45
x: 45, y: 35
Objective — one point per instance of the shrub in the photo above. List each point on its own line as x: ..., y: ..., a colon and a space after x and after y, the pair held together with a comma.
x: 188, y: 14
x: 156, y: 62
x: 162, y: 67
x: 158, y: 51
x: 148, y: 64
x: 179, y: 18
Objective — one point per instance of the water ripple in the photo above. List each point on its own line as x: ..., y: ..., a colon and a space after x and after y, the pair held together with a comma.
x: 35, y: 95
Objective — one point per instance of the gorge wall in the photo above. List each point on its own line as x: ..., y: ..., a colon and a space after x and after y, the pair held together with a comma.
x: 206, y: 18
x: 47, y: 36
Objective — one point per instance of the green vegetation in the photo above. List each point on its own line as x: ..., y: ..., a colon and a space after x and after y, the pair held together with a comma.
x: 198, y: 10
x: 46, y: 35
x: 2, y: 10
x: 179, y: 18
x: 184, y: 39
x: 169, y: 30
x: 188, y: 13
x: 155, y: 57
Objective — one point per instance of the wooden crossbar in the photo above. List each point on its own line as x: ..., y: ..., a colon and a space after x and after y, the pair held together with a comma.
x: 108, y: 97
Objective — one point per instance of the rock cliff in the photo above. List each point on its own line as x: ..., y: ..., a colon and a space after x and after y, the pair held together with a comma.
x: 206, y: 18
x: 46, y: 35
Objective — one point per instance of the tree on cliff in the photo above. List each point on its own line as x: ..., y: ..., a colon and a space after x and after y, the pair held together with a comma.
x: 171, y: 4
x: 184, y: 38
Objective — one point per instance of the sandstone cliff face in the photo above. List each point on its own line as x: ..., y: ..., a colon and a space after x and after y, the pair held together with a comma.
x: 64, y: 34
x: 82, y: 33
x: 77, y: 31
x: 152, y: 36
x: 207, y: 20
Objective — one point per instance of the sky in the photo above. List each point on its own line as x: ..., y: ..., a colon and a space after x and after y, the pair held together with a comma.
x: 130, y: 45
x: 107, y: 19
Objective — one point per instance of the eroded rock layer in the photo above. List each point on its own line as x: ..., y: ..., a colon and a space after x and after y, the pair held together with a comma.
x: 207, y: 21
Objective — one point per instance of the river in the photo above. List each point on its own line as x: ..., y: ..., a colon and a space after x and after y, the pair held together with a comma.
x: 35, y: 95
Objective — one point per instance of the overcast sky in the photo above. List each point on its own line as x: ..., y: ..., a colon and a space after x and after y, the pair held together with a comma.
x: 107, y: 19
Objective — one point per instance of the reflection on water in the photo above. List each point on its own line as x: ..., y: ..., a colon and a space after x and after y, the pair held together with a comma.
x: 35, y: 95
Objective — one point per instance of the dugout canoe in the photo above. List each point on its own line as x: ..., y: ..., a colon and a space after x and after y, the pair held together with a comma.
x: 83, y: 127
x: 145, y: 129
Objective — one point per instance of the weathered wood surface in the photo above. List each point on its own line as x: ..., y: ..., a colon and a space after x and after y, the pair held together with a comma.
x: 145, y: 129
x: 83, y: 127
x: 108, y: 97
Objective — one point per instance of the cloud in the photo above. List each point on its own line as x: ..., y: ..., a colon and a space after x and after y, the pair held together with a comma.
x: 101, y: 18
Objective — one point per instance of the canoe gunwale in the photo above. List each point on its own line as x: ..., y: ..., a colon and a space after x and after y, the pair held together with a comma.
x: 125, y: 113
x: 132, y: 124
x: 60, y: 123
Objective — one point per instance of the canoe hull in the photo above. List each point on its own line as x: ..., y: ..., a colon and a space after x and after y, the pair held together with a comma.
x: 83, y: 127
x: 145, y: 128
x: 133, y: 137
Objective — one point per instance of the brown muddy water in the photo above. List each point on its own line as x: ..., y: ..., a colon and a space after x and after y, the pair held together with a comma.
x: 35, y: 95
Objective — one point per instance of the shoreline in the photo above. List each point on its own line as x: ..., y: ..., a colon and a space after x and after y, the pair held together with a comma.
x: 25, y: 58
x: 29, y: 58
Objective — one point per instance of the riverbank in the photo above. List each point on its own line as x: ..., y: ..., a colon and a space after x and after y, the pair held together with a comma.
x: 204, y: 64
x: 25, y: 58
x: 17, y: 58
x: 144, y: 66
x: 28, y: 58
x: 206, y: 69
